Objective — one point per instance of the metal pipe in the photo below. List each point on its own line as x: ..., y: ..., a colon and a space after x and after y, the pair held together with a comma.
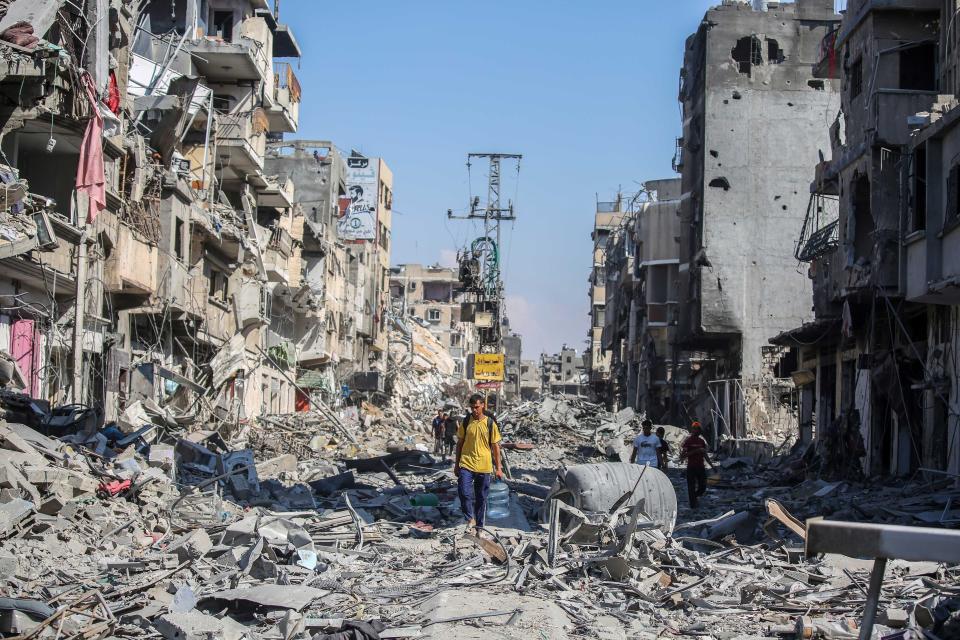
x: 873, y: 598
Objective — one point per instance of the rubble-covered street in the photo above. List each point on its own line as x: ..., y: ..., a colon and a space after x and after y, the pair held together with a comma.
x: 259, y: 545
x: 294, y: 343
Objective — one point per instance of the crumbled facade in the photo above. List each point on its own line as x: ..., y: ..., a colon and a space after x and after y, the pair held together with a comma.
x: 879, y: 385
x: 748, y: 92
x: 433, y: 296
x: 156, y: 255
x: 607, y: 218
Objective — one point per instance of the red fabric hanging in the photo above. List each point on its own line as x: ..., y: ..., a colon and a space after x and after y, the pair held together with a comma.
x: 90, y: 175
x: 113, y: 95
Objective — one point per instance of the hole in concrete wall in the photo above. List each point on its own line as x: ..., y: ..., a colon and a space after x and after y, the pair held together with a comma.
x: 747, y: 53
x: 784, y: 207
x: 714, y: 153
x: 777, y: 197
x: 918, y: 199
x: 816, y: 84
x: 918, y: 67
x: 789, y: 104
x: 736, y: 95
x: 774, y: 52
x: 721, y: 183
x: 863, y: 218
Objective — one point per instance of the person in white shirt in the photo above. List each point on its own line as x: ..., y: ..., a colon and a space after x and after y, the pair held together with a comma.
x: 645, y: 446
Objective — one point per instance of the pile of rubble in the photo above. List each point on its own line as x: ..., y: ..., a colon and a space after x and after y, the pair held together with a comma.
x: 189, y: 539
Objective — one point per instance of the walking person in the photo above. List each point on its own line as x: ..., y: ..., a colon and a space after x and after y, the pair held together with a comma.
x: 449, y: 435
x: 438, y: 423
x: 477, y: 461
x: 663, y: 450
x: 645, y: 446
x: 694, y: 451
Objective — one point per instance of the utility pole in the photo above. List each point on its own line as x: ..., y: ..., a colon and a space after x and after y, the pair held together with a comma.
x: 480, y: 262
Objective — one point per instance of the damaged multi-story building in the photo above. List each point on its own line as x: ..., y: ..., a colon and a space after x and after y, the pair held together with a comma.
x: 564, y: 372
x: 877, y: 365
x: 156, y: 255
x: 642, y: 265
x: 432, y: 294
x: 607, y: 218
x: 346, y: 202
x: 753, y: 126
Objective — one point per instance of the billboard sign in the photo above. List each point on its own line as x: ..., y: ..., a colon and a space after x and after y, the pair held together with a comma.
x: 358, y: 221
x: 487, y: 367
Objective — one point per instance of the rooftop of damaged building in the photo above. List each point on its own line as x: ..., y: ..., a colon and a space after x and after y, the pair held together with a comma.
x: 131, y: 530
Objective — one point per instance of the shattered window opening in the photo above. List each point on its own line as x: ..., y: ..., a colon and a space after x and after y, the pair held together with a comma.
x: 918, y: 67
x: 747, y: 53
x: 856, y: 78
x: 918, y: 218
x: 774, y: 52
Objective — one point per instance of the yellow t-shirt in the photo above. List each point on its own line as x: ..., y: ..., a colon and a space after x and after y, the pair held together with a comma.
x: 476, y: 455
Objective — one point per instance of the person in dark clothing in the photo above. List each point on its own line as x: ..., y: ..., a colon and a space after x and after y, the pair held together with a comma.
x: 437, y: 428
x: 663, y: 449
x: 694, y: 451
x: 449, y: 435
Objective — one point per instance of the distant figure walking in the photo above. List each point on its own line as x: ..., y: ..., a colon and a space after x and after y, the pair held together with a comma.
x: 694, y: 451
x: 438, y: 424
x: 449, y: 435
x: 645, y: 446
x: 663, y: 450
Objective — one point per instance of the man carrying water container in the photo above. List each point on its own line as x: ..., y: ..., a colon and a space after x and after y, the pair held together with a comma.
x: 477, y: 461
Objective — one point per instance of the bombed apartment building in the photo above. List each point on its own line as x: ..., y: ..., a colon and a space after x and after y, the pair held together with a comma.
x: 877, y: 365
x: 642, y: 276
x: 607, y: 219
x: 65, y: 151
x: 150, y: 261
x: 564, y: 372
x: 748, y: 94
x: 432, y: 295
x: 346, y: 203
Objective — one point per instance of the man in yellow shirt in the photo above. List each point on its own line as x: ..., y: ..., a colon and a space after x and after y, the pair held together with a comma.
x: 478, y: 458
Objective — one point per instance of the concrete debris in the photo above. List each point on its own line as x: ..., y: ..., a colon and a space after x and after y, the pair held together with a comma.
x: 367, y: 539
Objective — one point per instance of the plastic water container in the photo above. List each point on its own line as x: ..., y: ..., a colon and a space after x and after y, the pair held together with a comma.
x: 498, y: 500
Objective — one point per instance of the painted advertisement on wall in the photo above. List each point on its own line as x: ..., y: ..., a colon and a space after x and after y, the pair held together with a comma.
x: 358, y: 220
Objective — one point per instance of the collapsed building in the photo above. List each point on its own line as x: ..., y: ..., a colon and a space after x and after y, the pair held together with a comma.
x: 432, y: 295
x: 640, y: 322
x: 878, y: 374
x: 691, y: 303
x: 156, y: 254
x: 596, y: 359
x: 346, y: 203
x: 748, y: 92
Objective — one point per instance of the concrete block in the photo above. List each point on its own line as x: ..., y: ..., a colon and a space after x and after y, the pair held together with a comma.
x: 8, y: 565
x: 52, y: 505
x: 274, y: 466
x: 11, y: 478
x: 11, y: 513
x: 896, y: 618
x: 189, y: 626
x: 191, y: 546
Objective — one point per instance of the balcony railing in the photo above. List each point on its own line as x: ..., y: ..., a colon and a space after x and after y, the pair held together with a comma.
x: 285, y: 79
x: 819, y: 234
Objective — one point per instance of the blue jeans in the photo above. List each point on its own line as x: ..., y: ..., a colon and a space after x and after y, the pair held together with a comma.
x: 473, y: 488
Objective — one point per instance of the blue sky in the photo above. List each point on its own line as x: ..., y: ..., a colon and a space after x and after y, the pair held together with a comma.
x: 585, y: 91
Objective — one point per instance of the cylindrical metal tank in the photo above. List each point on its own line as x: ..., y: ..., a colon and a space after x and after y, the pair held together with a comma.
x: 597, y: 487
